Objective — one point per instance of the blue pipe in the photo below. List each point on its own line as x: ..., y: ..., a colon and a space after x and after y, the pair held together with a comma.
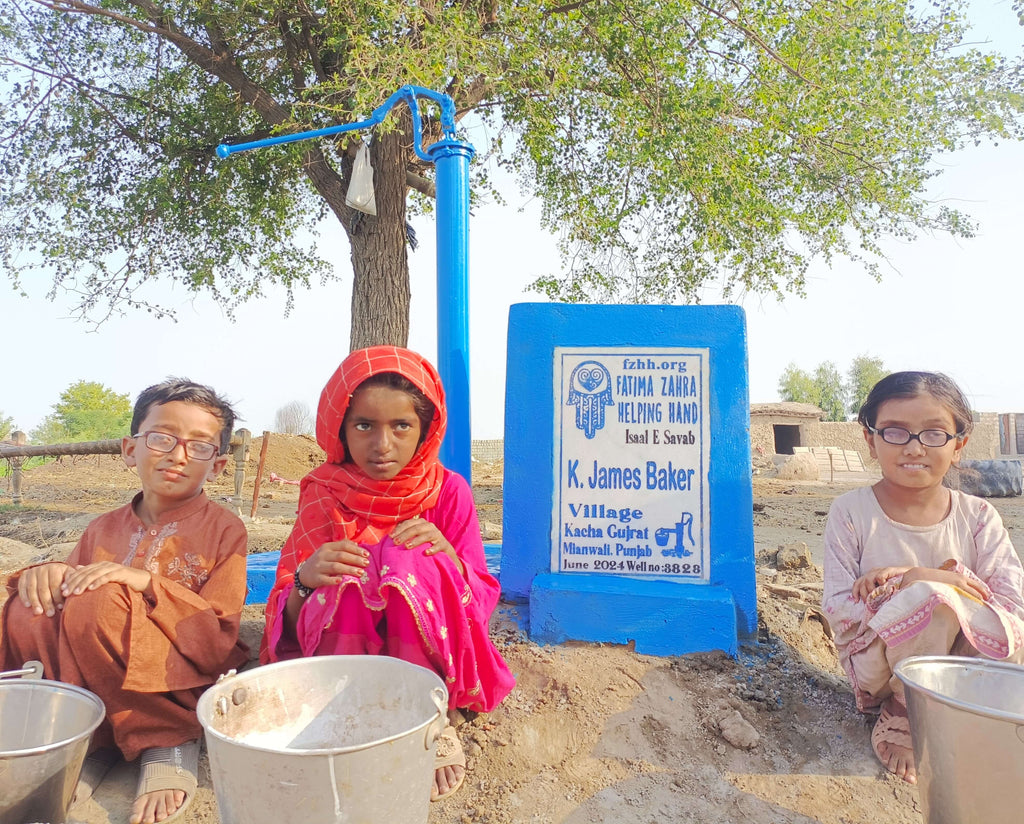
x: 451, y: 159
x: 406, y: 93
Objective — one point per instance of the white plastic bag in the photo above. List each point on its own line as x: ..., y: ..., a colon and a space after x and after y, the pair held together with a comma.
x: 360, y: 188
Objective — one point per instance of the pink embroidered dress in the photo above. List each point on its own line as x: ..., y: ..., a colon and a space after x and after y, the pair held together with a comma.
x: 411, y: 606
x: 971, y: 540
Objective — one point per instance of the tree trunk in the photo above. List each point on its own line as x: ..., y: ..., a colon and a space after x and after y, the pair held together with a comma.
x: 380, y: 289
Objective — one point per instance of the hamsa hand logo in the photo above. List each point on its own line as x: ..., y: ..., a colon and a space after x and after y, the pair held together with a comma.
x: 590, y: 391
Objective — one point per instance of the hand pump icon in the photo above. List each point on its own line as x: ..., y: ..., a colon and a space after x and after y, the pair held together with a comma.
x: 682, y: 529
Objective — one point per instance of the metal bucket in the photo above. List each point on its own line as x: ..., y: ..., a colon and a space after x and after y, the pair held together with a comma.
x: 332, y: 739
x: 45, y: 727
x: 967, y: 724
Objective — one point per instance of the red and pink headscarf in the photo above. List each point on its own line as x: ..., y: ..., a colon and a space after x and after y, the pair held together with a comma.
x: 337, y: 500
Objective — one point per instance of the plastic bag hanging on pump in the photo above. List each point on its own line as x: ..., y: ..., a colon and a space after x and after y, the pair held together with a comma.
x: 360, y: 188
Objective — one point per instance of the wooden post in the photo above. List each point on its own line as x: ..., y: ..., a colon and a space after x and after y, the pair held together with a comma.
x: 259, y: 474
x: 20, y: 439
x: 240, y: 452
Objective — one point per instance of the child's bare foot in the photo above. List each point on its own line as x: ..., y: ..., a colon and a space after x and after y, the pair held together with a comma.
x: 157, y: 806
x: 447, y: 780
x: 891, y: 741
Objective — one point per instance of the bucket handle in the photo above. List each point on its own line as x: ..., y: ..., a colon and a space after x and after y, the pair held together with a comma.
x: 434, y: 729
x: 31, y: 669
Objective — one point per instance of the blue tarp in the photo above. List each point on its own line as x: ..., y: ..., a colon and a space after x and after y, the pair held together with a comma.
x: 261, y: 568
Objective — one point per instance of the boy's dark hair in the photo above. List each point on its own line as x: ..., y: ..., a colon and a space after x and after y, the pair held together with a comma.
x: 910, y: 385
x: 182, y: 389
x: 425, y: 409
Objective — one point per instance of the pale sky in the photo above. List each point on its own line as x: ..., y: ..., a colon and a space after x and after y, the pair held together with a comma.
x: 954, y: 306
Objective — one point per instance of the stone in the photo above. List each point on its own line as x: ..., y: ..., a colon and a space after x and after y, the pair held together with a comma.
x: 738, y: 731
x: 793, y: 556
x: 800, y: 467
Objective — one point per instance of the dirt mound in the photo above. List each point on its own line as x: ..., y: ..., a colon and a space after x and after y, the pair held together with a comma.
x: 289, y: 456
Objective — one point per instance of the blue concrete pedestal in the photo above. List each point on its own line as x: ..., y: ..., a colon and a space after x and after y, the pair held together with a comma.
x: 661, y: 617
x: 575, y: 569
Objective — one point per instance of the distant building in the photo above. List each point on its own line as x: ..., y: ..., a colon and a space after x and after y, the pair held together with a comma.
x: 779, y: 428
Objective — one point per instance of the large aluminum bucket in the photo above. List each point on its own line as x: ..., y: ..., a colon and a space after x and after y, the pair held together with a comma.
x: 967, y: 723
x: 45, y: 727
x: 332, y: 739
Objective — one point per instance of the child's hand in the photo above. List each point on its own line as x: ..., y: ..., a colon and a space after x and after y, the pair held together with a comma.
x: 973, y: 587
x: 417, y: 531
x: 39, y: 588
x: 83, y: 578
x: 333, y: 560
x: 873, y: 579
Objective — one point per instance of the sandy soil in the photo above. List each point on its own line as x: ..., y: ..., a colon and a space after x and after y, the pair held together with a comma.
x: 591, y: 732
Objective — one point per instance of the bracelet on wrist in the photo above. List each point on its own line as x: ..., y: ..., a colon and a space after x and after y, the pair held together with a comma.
x: 301, y: 588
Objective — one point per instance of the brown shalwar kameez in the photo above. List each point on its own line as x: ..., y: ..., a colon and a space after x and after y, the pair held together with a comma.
x: 149, y: 660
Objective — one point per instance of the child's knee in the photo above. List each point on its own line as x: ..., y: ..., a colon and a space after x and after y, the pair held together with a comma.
x: 104, y: 610
x: 873, y: 669
x: 400, y: 560
x: 20, y: 620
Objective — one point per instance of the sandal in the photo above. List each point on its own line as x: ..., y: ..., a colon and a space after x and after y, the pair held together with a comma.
x: 94, y: 769
x: 170, y: 768
x: 894, y: 729
x: 449, y: 754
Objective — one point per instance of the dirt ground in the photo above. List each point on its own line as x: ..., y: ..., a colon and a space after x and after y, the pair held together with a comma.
x: 591, y: 732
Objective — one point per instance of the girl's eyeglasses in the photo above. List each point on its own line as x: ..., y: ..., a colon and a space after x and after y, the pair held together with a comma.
x: 898, y: 436
x: 162, y: 442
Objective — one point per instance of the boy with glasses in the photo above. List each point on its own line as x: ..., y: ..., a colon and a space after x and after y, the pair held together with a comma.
x: 146, y: 609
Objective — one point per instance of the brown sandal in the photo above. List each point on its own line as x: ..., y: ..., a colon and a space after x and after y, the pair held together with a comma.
x: 170, y: 768
x: 94, y: 769
x: 893, y: 729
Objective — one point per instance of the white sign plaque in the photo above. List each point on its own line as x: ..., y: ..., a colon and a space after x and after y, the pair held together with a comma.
x: 631, y: 461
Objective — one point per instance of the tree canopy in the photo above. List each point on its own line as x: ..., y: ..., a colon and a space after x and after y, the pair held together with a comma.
x: 672, y: 144
x: 827, y: 390
x: 865, y: 371
x: 824, y: 389
x: 86, y: 411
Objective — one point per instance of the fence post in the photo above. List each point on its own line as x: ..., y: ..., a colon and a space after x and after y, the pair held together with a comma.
x: 259, y: 473
x: 18, y: 438
x: 240, y: 452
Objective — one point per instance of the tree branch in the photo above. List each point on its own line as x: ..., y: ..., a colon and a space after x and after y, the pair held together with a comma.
x: 422, y: 185
x: 756, y: 38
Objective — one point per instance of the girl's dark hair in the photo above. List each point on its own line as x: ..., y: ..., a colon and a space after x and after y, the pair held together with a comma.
x: 424, y: 407
x: 182, y: 389
x: 910, y: 385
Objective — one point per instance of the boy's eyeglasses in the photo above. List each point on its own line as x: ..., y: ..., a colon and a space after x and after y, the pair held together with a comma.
x: 162, y: 442
x: 898, y: 436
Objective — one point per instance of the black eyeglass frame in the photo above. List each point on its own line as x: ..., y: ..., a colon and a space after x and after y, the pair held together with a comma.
x: 914, y: 436
x: 185, y: 442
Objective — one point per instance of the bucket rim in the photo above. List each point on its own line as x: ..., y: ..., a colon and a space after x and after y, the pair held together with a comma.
x: 60, y: 686
x: 205, y: 706
x: 946, y: 661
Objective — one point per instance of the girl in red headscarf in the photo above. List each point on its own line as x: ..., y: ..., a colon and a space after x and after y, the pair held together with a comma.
x: 385, y: 557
